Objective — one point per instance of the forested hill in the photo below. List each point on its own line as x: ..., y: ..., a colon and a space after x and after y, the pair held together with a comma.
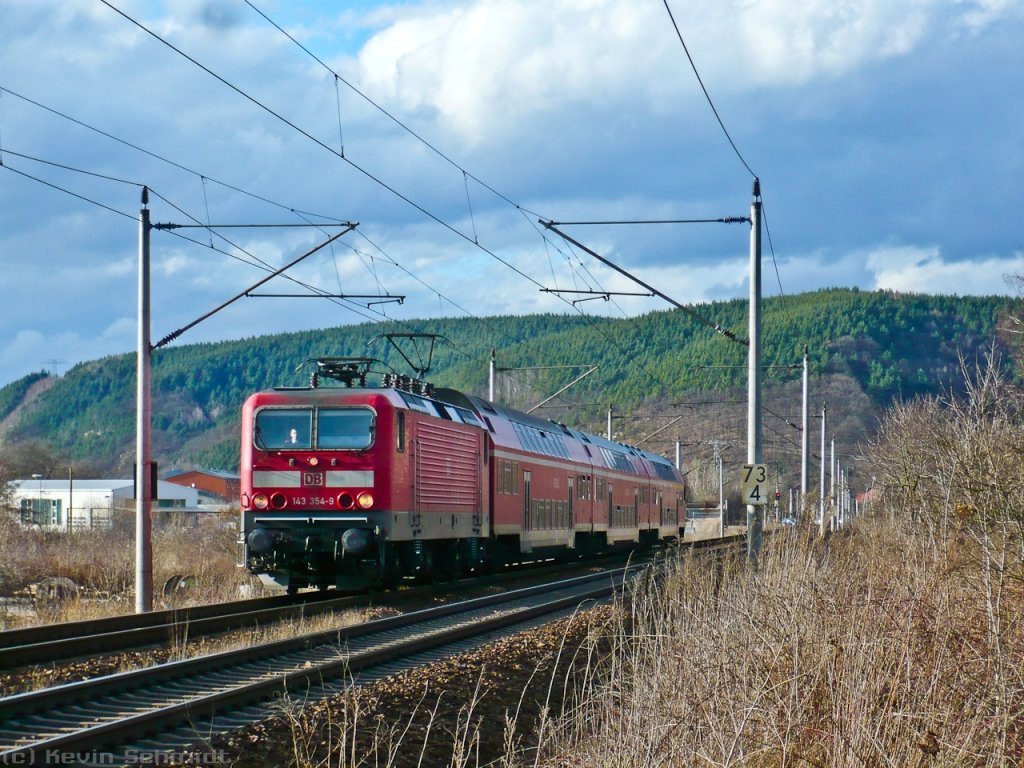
x: 866, y: 349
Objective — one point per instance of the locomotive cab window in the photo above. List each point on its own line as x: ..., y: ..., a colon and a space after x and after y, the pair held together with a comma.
x: 278, y: 428
x: 345, y: 428
x: 292, y: 429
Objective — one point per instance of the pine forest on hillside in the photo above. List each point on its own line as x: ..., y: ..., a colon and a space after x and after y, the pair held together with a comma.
x: 866, y: 349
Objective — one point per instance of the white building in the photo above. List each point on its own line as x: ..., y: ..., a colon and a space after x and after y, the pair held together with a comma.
x: 88, y: 503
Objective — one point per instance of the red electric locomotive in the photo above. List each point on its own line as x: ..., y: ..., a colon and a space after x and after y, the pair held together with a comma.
x: 356, y: 486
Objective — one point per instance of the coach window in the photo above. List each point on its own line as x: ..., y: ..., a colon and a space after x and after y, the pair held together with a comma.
x: 345, y: 428
x: 283, y: 428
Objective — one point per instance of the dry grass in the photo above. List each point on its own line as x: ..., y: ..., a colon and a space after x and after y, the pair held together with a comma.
x: 876, y: 648
x: 102, y: 565
x: 898, y: 643
x: 873, y: 651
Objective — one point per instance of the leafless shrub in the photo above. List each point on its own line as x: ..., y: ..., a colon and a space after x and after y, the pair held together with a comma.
x: 102, y: 564
x: 874, y: 656
x: 900, y: 647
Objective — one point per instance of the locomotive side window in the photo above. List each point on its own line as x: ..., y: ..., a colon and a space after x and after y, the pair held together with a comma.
x: 401, y: 431
x: 345, y: 428
x: 278, y: 428
x: 468, y: 417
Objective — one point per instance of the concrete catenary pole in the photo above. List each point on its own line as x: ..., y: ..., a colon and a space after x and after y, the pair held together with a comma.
x: 805, y: 437
x: 755, y: 513
x: 832, y: 498
x: 821, y: 493
x: 492, y: 371
x: 71, y: 497
x: 143, y: 442
x: 721, y: 489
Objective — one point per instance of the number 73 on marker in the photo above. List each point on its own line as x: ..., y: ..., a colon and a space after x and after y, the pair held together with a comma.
x: 754, y: 484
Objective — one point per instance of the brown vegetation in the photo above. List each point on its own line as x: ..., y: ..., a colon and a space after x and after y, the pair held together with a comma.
x: 900, y: 642
x: 101, y: 563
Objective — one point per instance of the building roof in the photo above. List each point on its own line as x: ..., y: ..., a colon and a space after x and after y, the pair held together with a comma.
x: 61, y: 484
x: 29, y: 485
x: 218, y: 473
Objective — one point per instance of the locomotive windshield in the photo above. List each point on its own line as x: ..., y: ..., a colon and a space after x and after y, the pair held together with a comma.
x: 345, y: 428
x: 284, y: 428
x: 293, y: 428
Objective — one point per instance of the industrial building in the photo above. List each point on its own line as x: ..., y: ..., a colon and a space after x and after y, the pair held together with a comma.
x: 214, y: 486
x: 71, y: 504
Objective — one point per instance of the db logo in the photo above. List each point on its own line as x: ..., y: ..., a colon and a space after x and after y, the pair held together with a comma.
x: 312, y: 479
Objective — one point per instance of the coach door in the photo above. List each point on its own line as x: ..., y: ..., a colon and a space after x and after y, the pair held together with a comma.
x: 526, y: 500
x: 572, y: 495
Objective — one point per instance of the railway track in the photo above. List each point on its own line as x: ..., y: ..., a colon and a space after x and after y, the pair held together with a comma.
x: 108, y: 717
x: 60, y: 642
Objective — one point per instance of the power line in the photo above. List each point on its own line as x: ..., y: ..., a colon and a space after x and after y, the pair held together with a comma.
x: 722, y: 220
x: 386, y: 113
x: 317, y: 141
x: 771, y: 247
x: 68, y: 192
x: 305, y: 215
x: 355, y: 166
x: 426, y: 143
x: 693, y: 313
x: 725, y: 131
x: 72, y: 168
x: 156, y: 156
x: 707, y: 95
x: 259, y: 263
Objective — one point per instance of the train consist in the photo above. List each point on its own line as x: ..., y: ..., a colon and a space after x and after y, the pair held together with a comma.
x: 354, y: 486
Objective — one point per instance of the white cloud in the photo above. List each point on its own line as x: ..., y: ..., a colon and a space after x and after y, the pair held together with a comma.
x: 483, y: 64
x: 924, y: 270
x: 794, y: 42
x: 578, y: 109
x: 123, y: 330
x: 978, y: 14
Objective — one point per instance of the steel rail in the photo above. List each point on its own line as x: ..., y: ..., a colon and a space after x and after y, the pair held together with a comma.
x: 11, y: 638
x: 57, y: 642
x: 95, y: 713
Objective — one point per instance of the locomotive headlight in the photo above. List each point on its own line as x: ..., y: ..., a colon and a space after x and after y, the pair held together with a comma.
x: 313, y: 461
x: 365, y: 500
x: 260, y: 501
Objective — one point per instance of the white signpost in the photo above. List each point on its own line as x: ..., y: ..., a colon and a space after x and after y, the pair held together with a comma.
x: 754, y: 484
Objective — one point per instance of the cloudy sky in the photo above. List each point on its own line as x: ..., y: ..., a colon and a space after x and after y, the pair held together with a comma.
x: 888, y: 136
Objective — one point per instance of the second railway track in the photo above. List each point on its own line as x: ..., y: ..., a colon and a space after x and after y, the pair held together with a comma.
x: 109, y: 712
x: 58, y: 642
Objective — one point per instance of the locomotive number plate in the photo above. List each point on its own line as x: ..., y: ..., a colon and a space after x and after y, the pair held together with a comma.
x: 312, y: 479
x: 319, y: 502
